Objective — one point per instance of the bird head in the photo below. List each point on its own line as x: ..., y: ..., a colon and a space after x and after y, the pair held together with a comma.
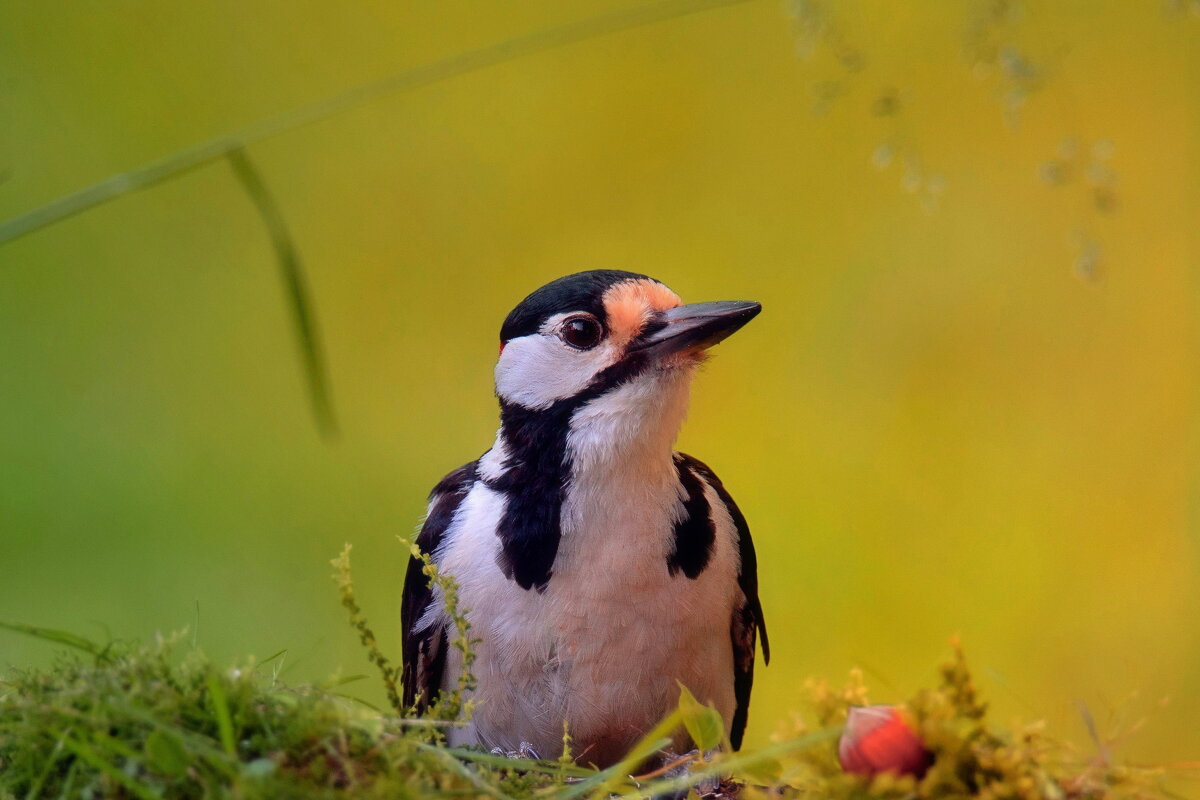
x: 610, y: 344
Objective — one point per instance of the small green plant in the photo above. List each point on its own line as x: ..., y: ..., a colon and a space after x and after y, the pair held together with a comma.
x: 970, y: 757
x: 456, y: 704
x: 345, y: 584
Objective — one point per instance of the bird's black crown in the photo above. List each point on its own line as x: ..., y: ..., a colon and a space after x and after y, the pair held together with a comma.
x: 579, y: 292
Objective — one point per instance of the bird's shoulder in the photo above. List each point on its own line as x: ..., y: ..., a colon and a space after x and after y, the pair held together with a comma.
x: 693, y: 470
x: 444, y: 500
x: 748, y: 573
x: 696, y: 529
x: 702, y: 470
x: 457, y: 481
x: 748, y: 626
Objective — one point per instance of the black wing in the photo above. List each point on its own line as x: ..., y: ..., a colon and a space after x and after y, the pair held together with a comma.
x: 747, y: 622
x: 425, y: 651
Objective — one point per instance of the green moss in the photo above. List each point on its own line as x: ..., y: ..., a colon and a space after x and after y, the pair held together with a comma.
x: 147, y: 721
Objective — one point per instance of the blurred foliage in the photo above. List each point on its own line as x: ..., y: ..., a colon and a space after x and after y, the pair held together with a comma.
x: 970, y: 406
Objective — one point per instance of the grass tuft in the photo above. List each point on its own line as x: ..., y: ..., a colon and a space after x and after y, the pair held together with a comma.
x: 149, y: 722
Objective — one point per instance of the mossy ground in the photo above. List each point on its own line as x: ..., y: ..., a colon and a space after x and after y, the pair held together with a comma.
x: 159, y: 720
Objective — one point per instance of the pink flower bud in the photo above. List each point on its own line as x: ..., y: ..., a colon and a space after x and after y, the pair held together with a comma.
x: 880, y: 739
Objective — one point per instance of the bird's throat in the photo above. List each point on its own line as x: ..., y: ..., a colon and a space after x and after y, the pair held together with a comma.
x: 532, y: 476
x: 622, y: 437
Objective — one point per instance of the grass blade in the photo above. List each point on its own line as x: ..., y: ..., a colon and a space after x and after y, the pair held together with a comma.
x: 232, y: 146
x: 650, y: 744
x: 464, y: 771
x: 35, y: 789
x: 182, y: 161
x: 730, y: 764
x: 195, y: 743
x: 58, y: 637
x: 86, y: 754
x: 295, y: 287
x: 216, y: 694
x: 519, y: 764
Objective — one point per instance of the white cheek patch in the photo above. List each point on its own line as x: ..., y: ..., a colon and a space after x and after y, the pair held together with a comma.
x: 537, y: 370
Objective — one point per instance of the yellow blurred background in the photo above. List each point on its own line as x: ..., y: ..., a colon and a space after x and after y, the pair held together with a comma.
x: 969, y: 407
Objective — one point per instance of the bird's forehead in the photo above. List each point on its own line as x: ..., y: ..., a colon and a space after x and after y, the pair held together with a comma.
x: 627, y: 305
x: 590, y: 292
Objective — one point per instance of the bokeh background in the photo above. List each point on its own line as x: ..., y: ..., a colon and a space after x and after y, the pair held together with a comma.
x: 969, y: 407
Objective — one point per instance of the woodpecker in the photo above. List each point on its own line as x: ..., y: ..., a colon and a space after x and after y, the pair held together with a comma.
x: 599, y: 569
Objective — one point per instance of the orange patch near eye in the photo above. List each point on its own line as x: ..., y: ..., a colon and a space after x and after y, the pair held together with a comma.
x: 630, y: 303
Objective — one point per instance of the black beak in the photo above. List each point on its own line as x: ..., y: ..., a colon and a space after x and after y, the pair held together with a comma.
x: 695, y: 327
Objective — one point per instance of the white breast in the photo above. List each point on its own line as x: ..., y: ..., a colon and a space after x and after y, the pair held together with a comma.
x: 604, y: 645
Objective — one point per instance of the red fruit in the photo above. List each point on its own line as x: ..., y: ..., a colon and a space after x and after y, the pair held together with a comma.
x: 879, y: 739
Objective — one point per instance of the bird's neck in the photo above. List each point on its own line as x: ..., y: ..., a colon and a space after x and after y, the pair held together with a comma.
x: 608, y: 446
x: 630, y: 430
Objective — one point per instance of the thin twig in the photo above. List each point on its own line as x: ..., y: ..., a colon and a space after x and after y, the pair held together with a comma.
x: 665, y: 768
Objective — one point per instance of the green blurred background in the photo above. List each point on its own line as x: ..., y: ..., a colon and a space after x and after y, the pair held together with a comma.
x: 970, y: 405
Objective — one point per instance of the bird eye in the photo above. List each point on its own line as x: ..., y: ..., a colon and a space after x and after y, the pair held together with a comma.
x: 581, y: 332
